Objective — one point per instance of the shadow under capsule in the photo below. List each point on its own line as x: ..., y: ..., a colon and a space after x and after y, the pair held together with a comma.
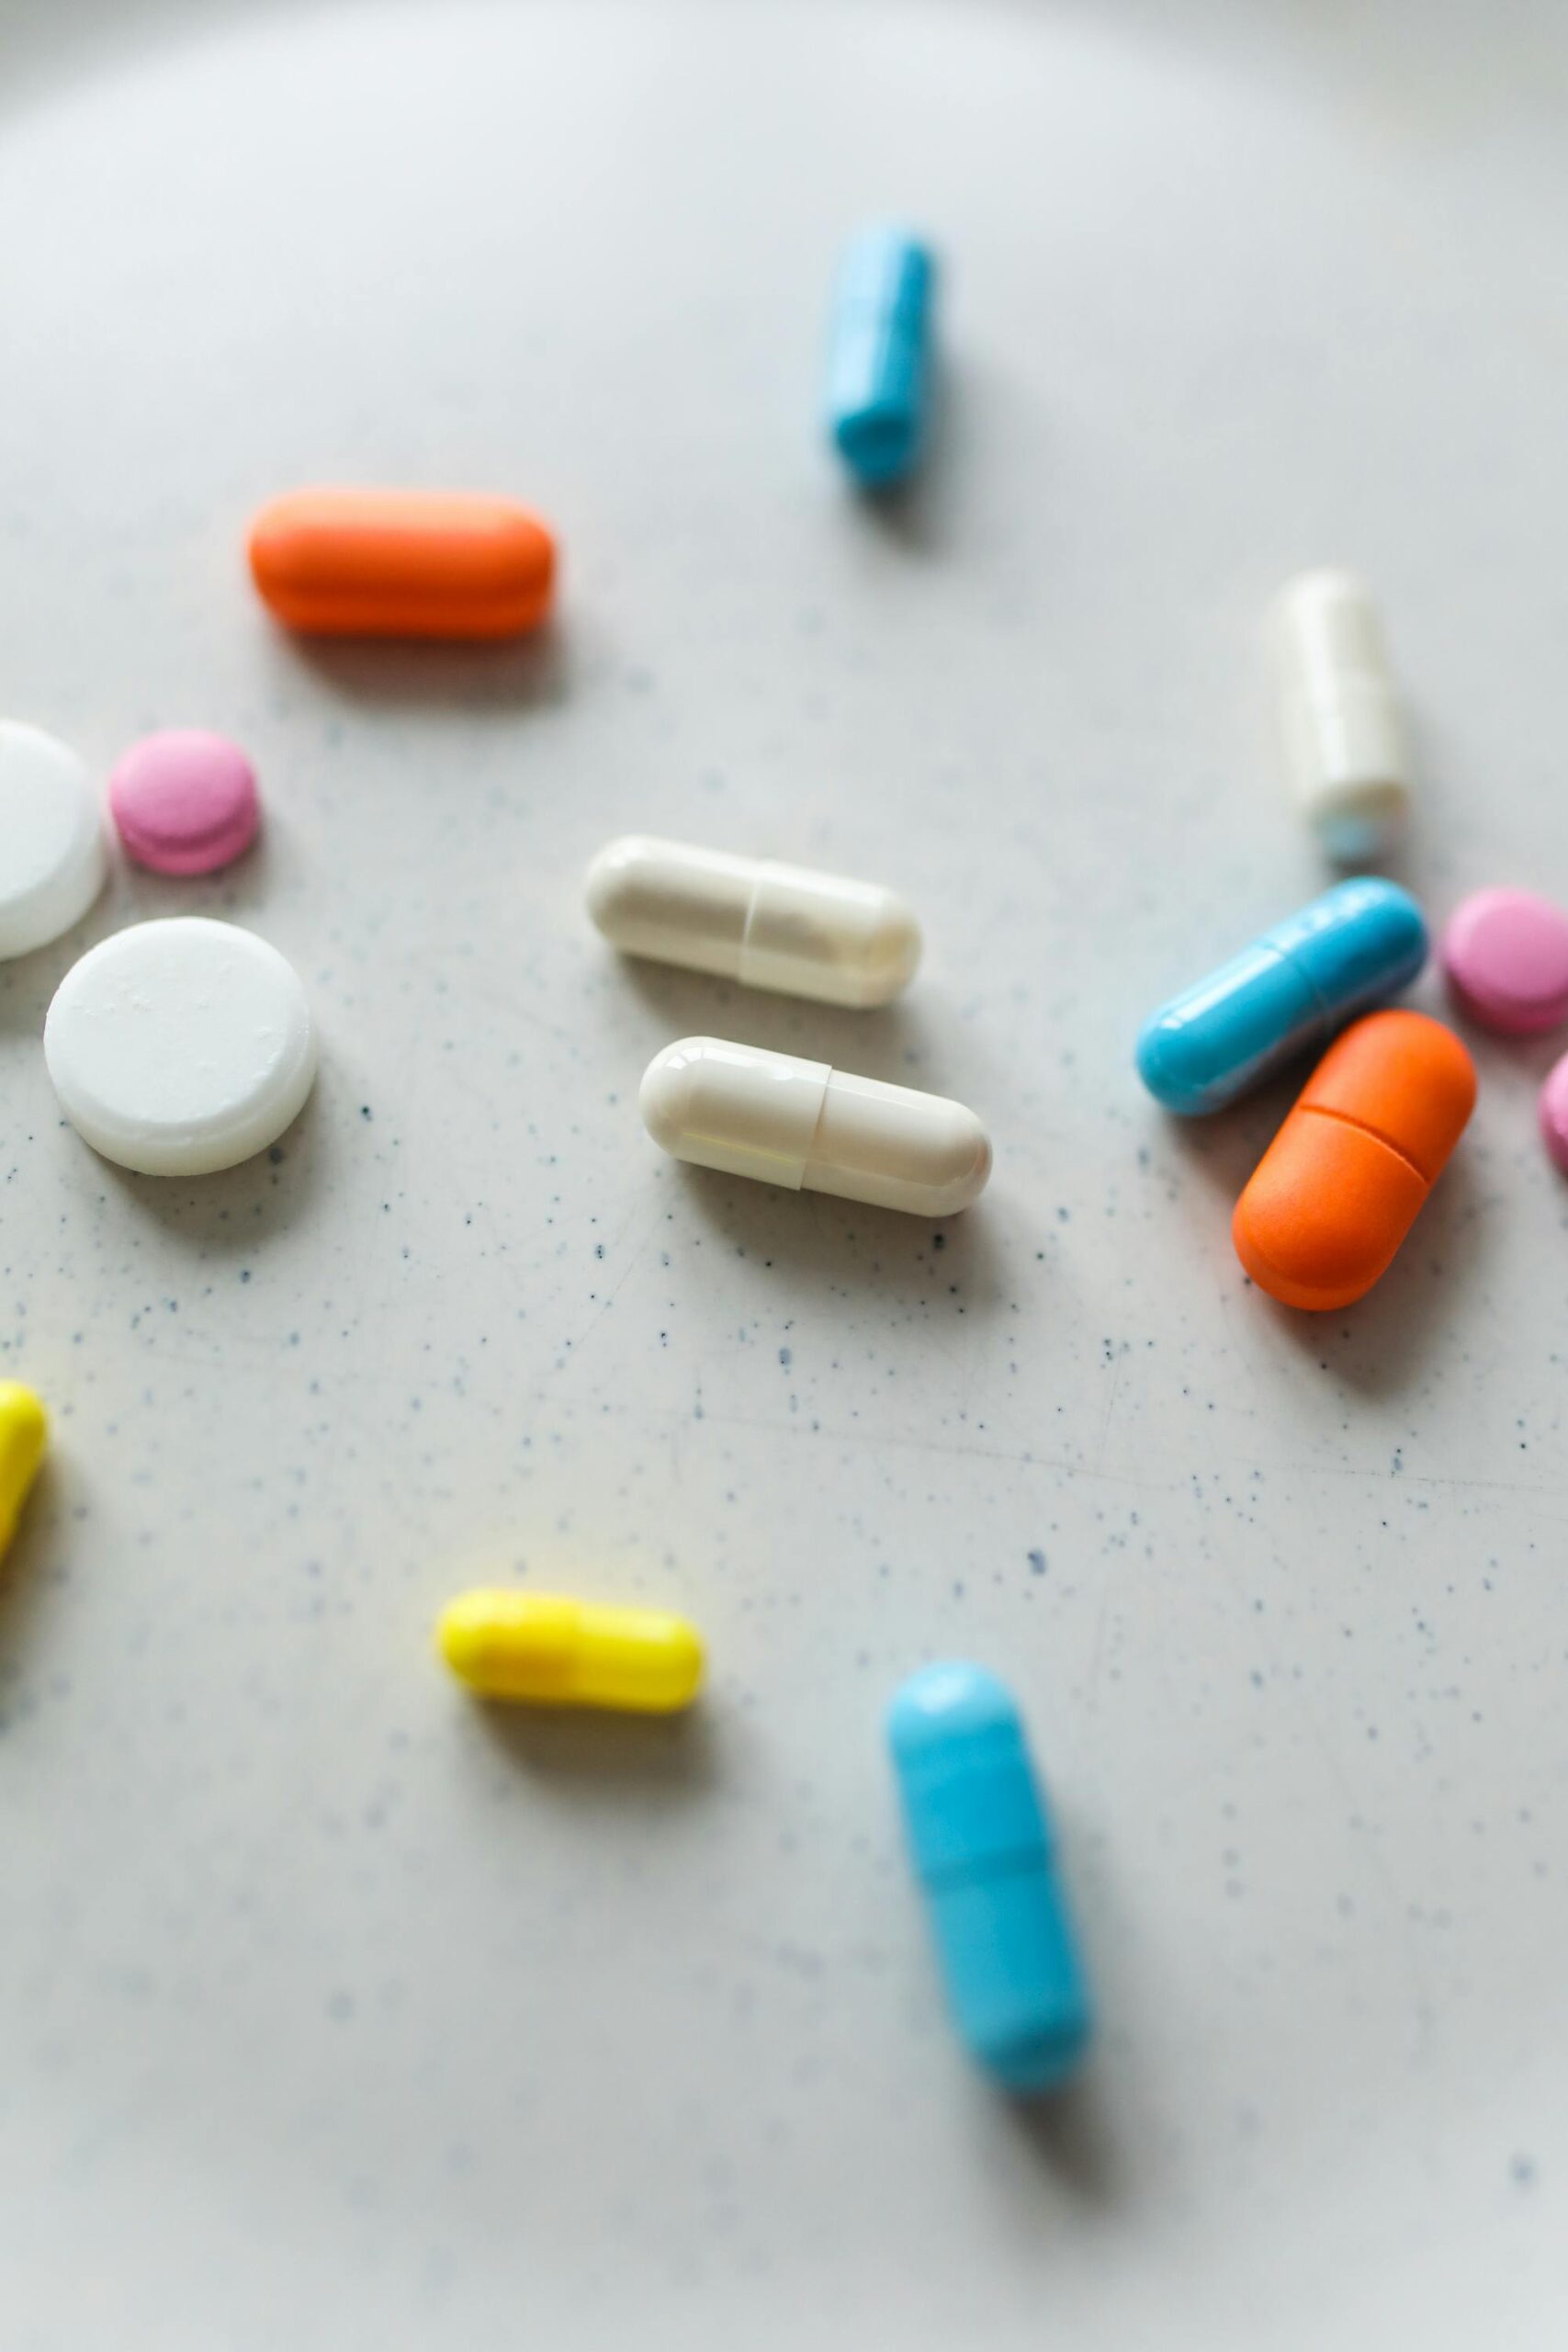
x: 512, y: 674
x: 891, y: 1041
x: 1383, y: 1343
x: 590, y: 1755
x: 832, y: 1245
x: 26, y: 1582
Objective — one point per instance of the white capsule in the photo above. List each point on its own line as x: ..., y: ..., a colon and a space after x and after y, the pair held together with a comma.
x: 769, y: 926
x: 814, y: 1129
x: 1339, y: 719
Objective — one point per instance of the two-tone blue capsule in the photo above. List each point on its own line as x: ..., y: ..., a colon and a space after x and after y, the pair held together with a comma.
x: 981, y: 1846
x: 1358, y: 944
x: 879, y: 354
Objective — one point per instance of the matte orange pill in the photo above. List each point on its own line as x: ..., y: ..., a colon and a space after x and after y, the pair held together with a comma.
x: 1340, y: 1185
x: 402, y: 564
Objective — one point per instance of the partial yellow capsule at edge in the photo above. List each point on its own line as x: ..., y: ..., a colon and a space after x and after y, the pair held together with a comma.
x: 560, y: 1653
x: 24, y: 1433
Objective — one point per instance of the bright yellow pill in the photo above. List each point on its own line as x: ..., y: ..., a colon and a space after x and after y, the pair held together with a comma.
x: 559, y: 1653
x: 24, y: 1433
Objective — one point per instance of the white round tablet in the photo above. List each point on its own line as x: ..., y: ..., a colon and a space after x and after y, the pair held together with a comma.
x: 51, y: 838
x: 180, y: 1048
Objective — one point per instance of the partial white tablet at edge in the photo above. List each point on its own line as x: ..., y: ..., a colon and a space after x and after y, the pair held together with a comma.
x: 52, y: 860
x: 177, y: 1048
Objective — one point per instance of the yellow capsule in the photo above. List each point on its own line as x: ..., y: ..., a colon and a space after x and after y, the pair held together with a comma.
x: 560, y: 1653
x: 24, y: 1433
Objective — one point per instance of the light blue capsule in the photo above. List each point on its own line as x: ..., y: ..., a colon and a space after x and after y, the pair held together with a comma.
x: 878, y: 359
x: 1291, y: 989
x: 981, y: 1847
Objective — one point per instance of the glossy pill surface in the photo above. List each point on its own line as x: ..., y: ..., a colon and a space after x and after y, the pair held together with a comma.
x: 981, y: 1844
x: 879, y: 354
x: 747, y: 919
x: 811, y: 1128
x: 51, y: 838
x: 24, y: 1433
x: 184, y: 801
x: 180, y: 1048
x: 1341, y: 729
x: 556, y: 1652
x: 1287, y: 992
x: 402, y: 564
x: 1505, y: 955
x: 1338, y: 1190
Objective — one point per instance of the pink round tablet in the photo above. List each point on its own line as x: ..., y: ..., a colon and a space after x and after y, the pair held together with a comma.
x: 1505, y: 953
x: 184, y: 802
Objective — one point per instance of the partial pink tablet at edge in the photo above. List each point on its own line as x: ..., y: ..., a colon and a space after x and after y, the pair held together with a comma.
x: 1554, y: 1113
x: 184, y: 802
x: 1505, y: 953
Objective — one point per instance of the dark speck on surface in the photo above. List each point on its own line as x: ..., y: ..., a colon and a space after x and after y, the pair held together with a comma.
x: 1037, y: 1563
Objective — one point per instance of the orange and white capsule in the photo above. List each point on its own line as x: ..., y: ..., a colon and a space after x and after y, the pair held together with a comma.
x: 402, y: 564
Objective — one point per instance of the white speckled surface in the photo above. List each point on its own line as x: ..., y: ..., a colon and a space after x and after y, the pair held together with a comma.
x: 337, y: 2013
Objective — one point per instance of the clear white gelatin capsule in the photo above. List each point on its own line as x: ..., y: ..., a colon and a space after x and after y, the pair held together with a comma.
x: 769, y: 926
x: 52, y: 862
x: 1340, y: 726
x: 814, y: 1129
x: 180, y: 1048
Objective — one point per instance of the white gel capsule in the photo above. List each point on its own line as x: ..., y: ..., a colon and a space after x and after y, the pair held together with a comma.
x: 746, y: 919
x: 52, y: 862
x: 1340, y: 725
x: 813, y: 1129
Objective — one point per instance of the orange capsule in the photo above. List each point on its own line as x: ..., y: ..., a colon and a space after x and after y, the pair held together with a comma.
x: 1340, y: 1185
x: 402, y: 564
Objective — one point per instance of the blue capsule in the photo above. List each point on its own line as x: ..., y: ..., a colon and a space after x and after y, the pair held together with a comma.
x: 1293, y: 989
x: 982, y: 1848
x: 879, y: 371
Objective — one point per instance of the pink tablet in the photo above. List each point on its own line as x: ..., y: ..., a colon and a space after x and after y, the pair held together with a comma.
x: 1505, y: 953
x: 184, y: 802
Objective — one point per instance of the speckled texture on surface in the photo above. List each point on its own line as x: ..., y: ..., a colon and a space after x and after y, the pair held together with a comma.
x: 339, y: 2012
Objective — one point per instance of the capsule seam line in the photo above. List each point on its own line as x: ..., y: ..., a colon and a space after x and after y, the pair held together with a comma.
x: 811, y: 1147
x: 1361, y: 1127
x: 757, y: 885
x: 1288, y: 956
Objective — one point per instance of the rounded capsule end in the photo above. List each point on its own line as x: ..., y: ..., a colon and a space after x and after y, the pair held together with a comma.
x: 1028, y: 2063
x: 666, y: 1096
x: 1362, y: 821
x: 1174, y: 1067
x: 675, y: 1667
x: 464, y: 1635
x: 879, y: 446
x: 607, y: 881
x: 950, y: 1700
x: 968, y: 1165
